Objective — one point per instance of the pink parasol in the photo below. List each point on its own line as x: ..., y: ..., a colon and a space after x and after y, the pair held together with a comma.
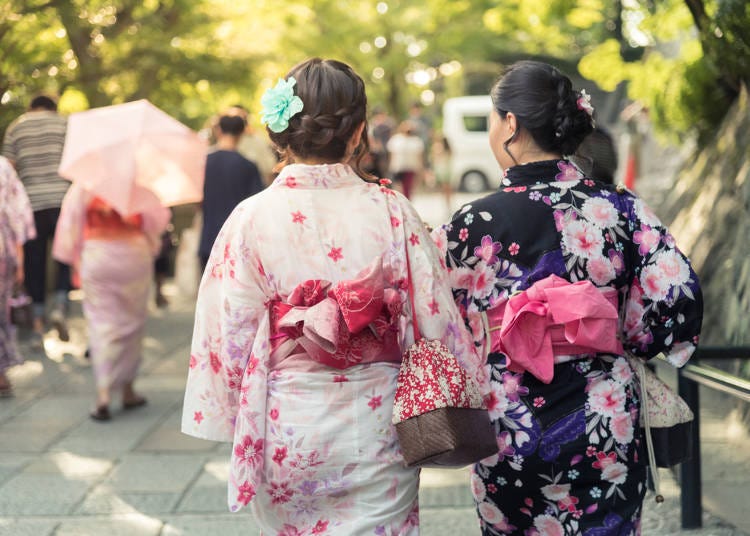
x: 133, y: 156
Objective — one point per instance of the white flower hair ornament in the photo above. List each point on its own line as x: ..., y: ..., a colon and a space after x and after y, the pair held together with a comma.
x: 584, y: 103
x: 280, y: 104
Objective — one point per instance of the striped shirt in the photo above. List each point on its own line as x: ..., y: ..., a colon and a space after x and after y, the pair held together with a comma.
x: 34, y: 142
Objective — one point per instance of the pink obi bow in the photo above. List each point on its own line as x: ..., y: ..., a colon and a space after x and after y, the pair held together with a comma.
x: 339, y: 325
x: 554, y: 317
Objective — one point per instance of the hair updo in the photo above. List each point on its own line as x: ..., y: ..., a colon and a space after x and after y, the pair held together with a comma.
x: 335, y: 104
x: 545, y: 105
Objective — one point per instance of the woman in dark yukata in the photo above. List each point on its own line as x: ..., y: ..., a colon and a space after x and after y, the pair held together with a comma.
x: 565, y: 276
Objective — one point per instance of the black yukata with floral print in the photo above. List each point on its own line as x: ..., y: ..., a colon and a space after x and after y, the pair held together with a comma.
x: 572, y: 457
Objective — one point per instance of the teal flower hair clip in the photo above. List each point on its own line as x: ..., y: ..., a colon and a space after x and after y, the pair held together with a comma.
x: 280, y: 104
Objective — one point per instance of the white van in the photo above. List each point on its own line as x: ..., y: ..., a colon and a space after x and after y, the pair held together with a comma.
x: 465, y: 124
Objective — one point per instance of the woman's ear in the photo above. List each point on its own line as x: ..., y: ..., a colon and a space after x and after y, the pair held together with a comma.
x: 511, y: 123
x: 355, y: 139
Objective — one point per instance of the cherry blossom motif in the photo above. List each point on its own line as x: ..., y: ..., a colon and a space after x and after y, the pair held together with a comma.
x: 568, y: 503
x: 673, y: 266
x: 616, y: 473
x: 461, y: 278
x: 604, y: 460
x: 488, y: 250
x: 335, y: 254
x: 600, y: 270
x: 607, y: 398
x: 395, y: 222
x: 601, y: 212
x: 234, y: 377
x: 621, y: 371
x: 655, y: 284
x: 434, y: 308
x: 215, y: 362
x: 291, y: 182
x: 463, y: 234
x: 298, y: 217
x: 246, y: 493
x: 280, y: 492
x: 548, y: 525
x: 339, y: 378
x: 568, y: 172
x: 198, y: 416
x: 491, y: 513
x: 621, y: 427
x: 514, y: 248
x: 505, y: 447
x: 648, y: 240
x: 645, y: 214
x: 584, y: 103
x: 273, y: 414
x: 478, y: 489
x: 321, y: 526
x: 279, y: 455
x: 375, y: 402
x: 556, y: 492
x: 248, y: 451
x: 582, y: 239
x: 483, y: 281
x: 497, y: 401
x: 414, y: 239
x: 193, y: 361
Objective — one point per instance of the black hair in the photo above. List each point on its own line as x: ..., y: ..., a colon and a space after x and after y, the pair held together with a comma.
x: 233, y: 125
x: 335, y: 104
x: 545, y: 105
x: 44, y: 102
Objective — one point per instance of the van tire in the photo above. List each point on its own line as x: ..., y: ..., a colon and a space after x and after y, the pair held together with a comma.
x: 474, y: 182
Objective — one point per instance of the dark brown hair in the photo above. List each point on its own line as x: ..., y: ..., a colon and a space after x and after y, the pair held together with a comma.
x: 335, y: 104
x: 544, y: 103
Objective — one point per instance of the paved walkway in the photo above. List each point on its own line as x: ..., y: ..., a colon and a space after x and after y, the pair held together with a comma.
x: 65, y: 475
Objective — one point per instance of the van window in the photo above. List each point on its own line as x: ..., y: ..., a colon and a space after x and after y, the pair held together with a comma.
x: 475, y: 123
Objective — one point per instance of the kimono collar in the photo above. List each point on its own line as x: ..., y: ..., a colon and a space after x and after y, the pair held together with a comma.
x: 543, y: 171
x: 321, y: 176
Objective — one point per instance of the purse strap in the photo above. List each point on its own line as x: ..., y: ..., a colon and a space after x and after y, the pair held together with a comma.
x: 410, y: 288
x: 640, y: 371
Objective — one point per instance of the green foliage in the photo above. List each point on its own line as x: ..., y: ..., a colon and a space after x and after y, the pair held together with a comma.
x: 694, y: 64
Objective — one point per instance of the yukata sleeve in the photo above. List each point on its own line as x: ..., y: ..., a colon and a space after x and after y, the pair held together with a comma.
x: 437, y: 315
x: 68, y: 242
x: 155, y: 222
x: 20, y: 217
x: 229, y: 309
x: 663, y: 309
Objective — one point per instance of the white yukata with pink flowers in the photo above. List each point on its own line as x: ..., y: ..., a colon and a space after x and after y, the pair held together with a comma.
x: 314, y: 449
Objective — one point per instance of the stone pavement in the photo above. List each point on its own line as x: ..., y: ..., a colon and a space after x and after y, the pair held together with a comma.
x: 65, y: 475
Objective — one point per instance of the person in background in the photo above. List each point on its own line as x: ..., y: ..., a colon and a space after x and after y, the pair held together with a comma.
x: 406, y: 158
x: 440, y: 156
x: 230, y: 178
x: 162, y: 265
x: 597, y: 156
x: 16, y: 227
x: 114, y: 258
x: 33, y: 143
x: 255, y: 146
x: 380, y: 131
x: 549, y: 253
x: 307, y: 397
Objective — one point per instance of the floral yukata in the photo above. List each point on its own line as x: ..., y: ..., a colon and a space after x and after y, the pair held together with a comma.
x: 300, y: 326
x: 571, y: 454
x: 16, y: 227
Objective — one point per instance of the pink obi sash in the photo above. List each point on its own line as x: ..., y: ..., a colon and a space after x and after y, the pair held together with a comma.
x: 554, y: 318
x: 350, y: 323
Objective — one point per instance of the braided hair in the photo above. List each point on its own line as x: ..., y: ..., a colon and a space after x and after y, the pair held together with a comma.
x: 545, y: 105
x: 335, y: 104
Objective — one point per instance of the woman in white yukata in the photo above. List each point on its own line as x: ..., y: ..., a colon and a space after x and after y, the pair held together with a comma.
x: 301, y: 323
x: 114, y: 257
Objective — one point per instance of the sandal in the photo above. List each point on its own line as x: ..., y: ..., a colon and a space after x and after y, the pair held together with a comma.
x: 136, y: 403
x: 100, y: 413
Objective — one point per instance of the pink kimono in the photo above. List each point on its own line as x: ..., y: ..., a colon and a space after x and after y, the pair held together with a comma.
x: 298, y: 336
x: 16, y: 227
x: 116, y: 275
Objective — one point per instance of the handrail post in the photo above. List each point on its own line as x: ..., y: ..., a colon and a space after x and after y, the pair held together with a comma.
x: 690, y: 471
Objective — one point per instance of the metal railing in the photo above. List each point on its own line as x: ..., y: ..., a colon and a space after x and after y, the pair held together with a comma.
x: 689, y: 378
